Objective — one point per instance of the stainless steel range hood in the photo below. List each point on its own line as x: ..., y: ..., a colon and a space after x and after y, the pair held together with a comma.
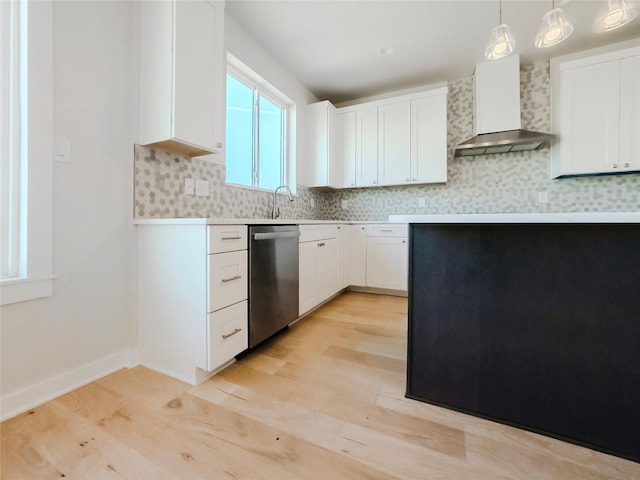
x: 497, y: 124
x: 503, y: 142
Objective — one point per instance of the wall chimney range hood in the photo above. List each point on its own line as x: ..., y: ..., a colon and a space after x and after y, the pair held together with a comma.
x: 497, y: 124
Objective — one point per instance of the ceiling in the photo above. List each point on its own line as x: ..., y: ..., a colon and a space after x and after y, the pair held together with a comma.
x: 333, y: 47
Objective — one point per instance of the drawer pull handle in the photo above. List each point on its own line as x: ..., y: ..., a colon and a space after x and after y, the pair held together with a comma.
x: 231, y: 238
x: 227, y: 335
x: 237, y: 277
x: 386, y: 230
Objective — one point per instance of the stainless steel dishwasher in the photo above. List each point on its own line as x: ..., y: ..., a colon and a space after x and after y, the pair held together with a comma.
x: 273, y: 279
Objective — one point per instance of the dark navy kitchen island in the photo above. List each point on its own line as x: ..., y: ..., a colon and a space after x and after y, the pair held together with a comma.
x: 530, y: 322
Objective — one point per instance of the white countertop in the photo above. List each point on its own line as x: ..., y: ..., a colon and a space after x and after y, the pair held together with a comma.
x: 579, y: 217
x: 238, y: 221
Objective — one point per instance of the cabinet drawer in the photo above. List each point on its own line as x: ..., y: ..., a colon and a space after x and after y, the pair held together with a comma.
x: 226, y: 238
x: 228, y: 334
x: 227, y: 279
x: 395, y: 230
x: 311, y: 233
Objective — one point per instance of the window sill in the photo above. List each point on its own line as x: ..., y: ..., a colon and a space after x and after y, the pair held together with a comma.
x: 259, y: 189
x: 14, y: 290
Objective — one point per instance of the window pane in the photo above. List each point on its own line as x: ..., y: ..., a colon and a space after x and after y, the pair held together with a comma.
x: 270, y: 152
x: 239, y: 136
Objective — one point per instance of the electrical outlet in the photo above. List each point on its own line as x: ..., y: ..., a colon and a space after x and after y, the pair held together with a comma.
x: 345, y: 204
x: 202, y: 188
x: 189, y: 186
x: 543, y: 197
x: 422, y: 202
x: 313, y: 202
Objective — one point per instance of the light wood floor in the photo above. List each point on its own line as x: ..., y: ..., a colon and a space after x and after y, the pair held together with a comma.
x: 322, y: 401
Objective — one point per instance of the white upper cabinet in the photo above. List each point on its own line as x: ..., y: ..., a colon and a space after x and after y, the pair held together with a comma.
x: 345, y: 159
x: 367, y: 147
x: 596, y: 114
x: 630, y: 113
x: 182, y: 76
x: 321, y: 144
x: 429, y: 139
x: 394, y: 143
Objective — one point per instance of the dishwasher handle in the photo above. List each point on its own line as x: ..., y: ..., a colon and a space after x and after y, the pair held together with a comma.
x: 272, y: 235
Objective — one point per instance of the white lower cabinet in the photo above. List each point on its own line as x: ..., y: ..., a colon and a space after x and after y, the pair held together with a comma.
x: 320, y: 264
x: 387, y: 259
x: 377, y: 256
x: 228, y: 333
x: 192, y: 295
x: 227, y: 279
x: 356, y: 255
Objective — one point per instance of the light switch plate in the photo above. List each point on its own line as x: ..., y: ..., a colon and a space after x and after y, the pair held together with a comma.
x: 202, y: 188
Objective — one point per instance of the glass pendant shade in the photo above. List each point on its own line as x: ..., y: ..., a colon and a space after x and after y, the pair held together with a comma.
x: 554, y: 29
x: 501, y: 43
x: 614, y: 14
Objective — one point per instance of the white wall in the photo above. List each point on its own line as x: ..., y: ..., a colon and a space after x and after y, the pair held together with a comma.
x: 88, y: 326
x: 244, y: 47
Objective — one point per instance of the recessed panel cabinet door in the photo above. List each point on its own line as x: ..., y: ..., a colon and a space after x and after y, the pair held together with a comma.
x: 429, y: 139
x: 367, y: 147
x: 196, y: 70
x: 387, y: 262
x: 630, y: 113
x: 394, y: 144
x: 594, y: 126
x: 345, y: 160
x: 307, y: 293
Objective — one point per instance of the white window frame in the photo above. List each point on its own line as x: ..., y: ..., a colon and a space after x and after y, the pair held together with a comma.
x: 28, y: 273
x: 264, y: 89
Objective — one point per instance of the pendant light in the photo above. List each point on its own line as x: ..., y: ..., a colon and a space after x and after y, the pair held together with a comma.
x: 554, y: 28
x: 614, y: 14
x: 501, y: 43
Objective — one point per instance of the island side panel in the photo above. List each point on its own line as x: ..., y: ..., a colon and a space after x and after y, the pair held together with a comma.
x: 535, y: 325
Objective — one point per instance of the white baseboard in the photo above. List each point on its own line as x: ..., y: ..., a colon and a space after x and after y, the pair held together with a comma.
x: 15, y: 403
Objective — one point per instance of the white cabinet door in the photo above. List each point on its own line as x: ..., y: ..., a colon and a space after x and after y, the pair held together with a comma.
x: 387, y: 262
x: 591, y: 128
x: 327, y: 268
x: 345, y: 159
x: 321, y: 144
x: 630, y: 114
x: 429, y: 139
x: 367, y: 147
x: 596, y: 114
x: 182, y: 76
x: 394, y: 144
x: 307, y: 276
x: 356, y: 255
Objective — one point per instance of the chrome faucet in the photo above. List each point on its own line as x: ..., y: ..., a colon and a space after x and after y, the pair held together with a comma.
x: 275, y: 211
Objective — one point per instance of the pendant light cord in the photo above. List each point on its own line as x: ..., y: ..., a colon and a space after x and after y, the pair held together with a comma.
x: 500, y: 12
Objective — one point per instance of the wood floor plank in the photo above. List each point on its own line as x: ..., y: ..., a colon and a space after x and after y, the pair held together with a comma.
x: 352, y: 406
x: 322, y: 400
x: 298, y: 458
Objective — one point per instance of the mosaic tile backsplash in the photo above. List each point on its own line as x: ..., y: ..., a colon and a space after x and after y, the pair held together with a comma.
x: 507, y: 183
x: 159, y: 191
